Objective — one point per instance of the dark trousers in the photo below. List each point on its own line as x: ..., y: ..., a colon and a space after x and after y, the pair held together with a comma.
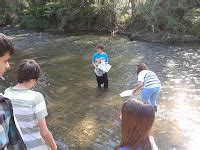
x: 102, y: 80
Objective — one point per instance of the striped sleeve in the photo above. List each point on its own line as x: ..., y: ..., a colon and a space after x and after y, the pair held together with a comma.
x: 39, y: 107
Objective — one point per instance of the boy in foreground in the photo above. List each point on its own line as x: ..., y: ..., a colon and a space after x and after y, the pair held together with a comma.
x: 30, y: 108
x: 10, y: 138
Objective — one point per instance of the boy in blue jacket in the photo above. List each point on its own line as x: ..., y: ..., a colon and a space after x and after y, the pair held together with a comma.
x: 97, y: 58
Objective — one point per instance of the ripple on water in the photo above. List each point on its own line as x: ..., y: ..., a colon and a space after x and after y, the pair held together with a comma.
x: 86, y: 117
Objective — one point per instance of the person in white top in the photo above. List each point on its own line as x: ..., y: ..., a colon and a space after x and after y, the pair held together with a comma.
x: 30, y: 108
x: 149, y: 83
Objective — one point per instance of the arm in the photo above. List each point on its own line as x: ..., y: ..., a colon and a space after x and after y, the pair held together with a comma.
x: 46, y: 134
x: 138, y: 87
x: 106, y: 56
x: 94, y: 64
x: 93, y: 60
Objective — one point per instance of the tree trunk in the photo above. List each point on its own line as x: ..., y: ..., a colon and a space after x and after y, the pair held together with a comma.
x: 195, y: 3
x: 3, y: 4
x: 32, y: 2
x: 132, y: 6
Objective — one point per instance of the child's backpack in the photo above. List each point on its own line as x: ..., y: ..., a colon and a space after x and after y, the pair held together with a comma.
x: 10, y: 137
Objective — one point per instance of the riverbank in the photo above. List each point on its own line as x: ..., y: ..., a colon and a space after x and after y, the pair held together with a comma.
x: 162, y: 37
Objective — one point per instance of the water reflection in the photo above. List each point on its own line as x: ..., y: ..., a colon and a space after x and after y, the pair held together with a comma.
x: 88, y: 118
x: 187, y: 117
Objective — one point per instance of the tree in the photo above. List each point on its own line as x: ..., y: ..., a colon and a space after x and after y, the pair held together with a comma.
x: 3, y: 4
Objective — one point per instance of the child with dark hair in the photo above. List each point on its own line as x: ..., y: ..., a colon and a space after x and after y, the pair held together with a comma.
x: 149, y: 83
x: 10, y: 137
x: 97, y: 58
x: 30, y: 108
x: 137, y: 120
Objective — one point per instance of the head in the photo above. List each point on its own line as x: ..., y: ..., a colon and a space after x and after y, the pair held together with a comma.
x: 6, y: 51
x: 141, y: 67
x: 27, y: 69
x: 100, y: 48
x: 137, y: 121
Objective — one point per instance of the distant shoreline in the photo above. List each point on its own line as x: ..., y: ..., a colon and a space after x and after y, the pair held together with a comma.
x: 162, y: 37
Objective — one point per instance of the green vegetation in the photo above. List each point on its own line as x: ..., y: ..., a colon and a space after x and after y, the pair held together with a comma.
x: 2, y: 18
x: 144, y: 16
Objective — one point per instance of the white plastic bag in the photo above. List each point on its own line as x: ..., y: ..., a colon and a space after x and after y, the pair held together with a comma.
x: 126, y: 93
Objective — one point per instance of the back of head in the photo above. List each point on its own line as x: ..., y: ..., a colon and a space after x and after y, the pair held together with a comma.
x: 6, y: 45
x: 27, y: 69
x: 137, y: 122
x: 141, y: 67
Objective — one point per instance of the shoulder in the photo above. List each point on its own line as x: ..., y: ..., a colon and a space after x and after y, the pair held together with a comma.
x: 104, y: 53
x: 33, y: 95
x: 38, y: 97
x: 7, y: 90
x: 153, y: 143
x: 143, y: 72
x: 95, y: 54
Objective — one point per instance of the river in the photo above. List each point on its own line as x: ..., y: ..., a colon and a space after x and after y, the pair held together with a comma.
x: 86, y: 117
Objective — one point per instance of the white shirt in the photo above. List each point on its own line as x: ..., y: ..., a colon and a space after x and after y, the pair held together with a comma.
x: 149, y: 78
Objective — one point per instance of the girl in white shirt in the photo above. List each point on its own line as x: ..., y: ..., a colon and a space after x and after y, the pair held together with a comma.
x: 149, y: 83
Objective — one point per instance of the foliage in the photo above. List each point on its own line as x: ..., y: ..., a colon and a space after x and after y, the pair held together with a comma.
x: 2, y: 18
x: 174, y: 16
x: 107, y: 16
x: 86, y: 17
x: 193, y: 16
x: 168, y: 17
x: 34, y: 17
x: 30, y: 21
x: 69, y: 17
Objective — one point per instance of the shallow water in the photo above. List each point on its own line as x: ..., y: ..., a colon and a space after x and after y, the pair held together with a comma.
x: 86, y: 117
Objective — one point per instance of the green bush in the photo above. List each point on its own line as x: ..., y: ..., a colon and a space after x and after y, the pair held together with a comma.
x: 30, y: 21
x: 87, y: 17
x: 174, y: 25
x: 193, y: 17
x: 168, y: 17
x: 2, y: 18
x: 34, y: 17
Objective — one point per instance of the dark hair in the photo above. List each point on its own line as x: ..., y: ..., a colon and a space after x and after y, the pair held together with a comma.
x: 6, y: 45
x: 141, y: 67
x: 100, y: 47
x: 27, y: 69
x: 136, y: 124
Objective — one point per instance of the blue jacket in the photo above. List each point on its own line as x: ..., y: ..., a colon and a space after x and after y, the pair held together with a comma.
x: 102, y: 56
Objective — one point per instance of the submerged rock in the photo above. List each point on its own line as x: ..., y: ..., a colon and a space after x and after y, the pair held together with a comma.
x: 61, y: 145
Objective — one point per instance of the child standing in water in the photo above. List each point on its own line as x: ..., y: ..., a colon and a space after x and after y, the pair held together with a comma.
x: 30, y: 108
x: 149, y: 83
x: 97, y: 58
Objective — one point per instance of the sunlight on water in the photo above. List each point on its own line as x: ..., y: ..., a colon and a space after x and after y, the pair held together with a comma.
x: 185, y: 115
x: 171, y: 63
x: 87, y: 117
x: 85, y: 129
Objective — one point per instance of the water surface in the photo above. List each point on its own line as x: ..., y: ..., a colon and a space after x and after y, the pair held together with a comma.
x: 86, y: 117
